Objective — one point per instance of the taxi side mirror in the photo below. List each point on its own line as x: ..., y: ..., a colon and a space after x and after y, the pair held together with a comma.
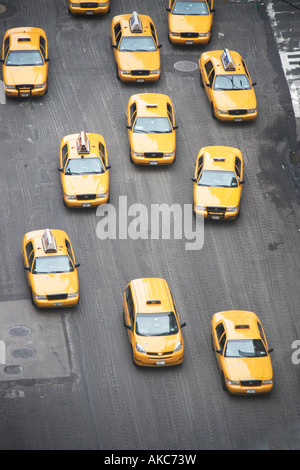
x: 242, y: 181
x: 159, y: 46
x: 212, y: 10
x: 270, y: 350
x: 208, y: 85
x: 175, y: 127
x: 129, y: 127
x: 2, y: 60
x: 254, y: 83
x: 47, y: 60
x: 194, y: 180
x: 77, y: 265
x: 219, y: 351
x: 60, y: 169
x: 168, y: 9
x: 129, y: 327
x: 26, y: 268
x: 114, y: 46
x: 182, y: 324
x: 107, y: 167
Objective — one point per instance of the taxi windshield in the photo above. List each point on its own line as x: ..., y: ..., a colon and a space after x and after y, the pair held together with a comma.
x: 245, y: 348
x: 156, y: 324
x: 52, y: 264
x: 137, y: 44
x: 190, y: 8
x: 19, y: 58
x: 232, y: 82
x: 216, y: 179
x: 152, y: 125
x: 84, y: 166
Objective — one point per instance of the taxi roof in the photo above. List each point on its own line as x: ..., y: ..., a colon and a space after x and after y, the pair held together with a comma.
x: 124, y: 23
x: 25, y: 38
x: 239, y: 324
x: 152, y: 295
x: 151, y: 104
x: 36, y: 237
x: 220, y: 157
x: 215, y: 57
x: 94, y: 140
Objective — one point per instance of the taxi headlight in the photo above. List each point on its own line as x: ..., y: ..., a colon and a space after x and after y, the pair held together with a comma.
x: 178, y: 347
x: 10, y: 87
x: 40, y: 86
x: 76, y: 5
x: 39, y: 297
x: 222, y: 111
x: 169, y: 154
x: 69, y: 196
x: 153, y: 72
x: 267, y: 382
x: 140, y: 348
x: 102, y: 4
x: 232, y: 209
x: 251, y: 110
x: 174, y: 34
x: 200, y: 207
x: 125, y: 72
x: 101, y: 195
x: 73, y: 294
x: 232, y: 382
x: 137, y: 154
x: 203, y: 35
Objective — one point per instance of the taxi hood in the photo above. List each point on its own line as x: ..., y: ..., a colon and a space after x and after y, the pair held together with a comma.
x: 139, y: 60
x: 235, y: 99
x: 249, y: 368
x: 24, y: 75
x: 153, y: 142
x: 190, y: 23
x: 55, y: 283
x: 217, y: 196
x: 86, y: 184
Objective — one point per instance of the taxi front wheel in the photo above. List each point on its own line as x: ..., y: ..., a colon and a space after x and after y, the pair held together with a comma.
x: 212, y: 109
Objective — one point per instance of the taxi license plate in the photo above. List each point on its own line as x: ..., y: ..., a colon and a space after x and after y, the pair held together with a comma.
x: 140, y: 80
x: 25, y: 95
x: 58, y: 304
x: 238, y: 119
x: 89, y: 12
x: 215, y: 217
x: 160, y: 363
x: 86, y: 204
x: 154, y: 162
x: 189, y: 42
x: 250, y: 390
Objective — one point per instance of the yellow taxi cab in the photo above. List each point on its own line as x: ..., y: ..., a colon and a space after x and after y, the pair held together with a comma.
x: 218, y: 182
x: 25, y: 62
x: 190, y: 21
x: 84, y: 170
x: 151, y: 129
x: 153, y: 324
x: 51, y: 268
x: 136, y: 48
x: 89, y: 8
x: 242, y: 352
x: 228, y: 86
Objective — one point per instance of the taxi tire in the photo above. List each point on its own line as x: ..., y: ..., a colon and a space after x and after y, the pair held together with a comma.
x: 117, y: 71
x: 224, y: 383
x: 212, y: 110
x: 201, y: 81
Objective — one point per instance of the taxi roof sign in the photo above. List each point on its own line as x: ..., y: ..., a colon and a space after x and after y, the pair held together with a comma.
x: 135, y: 23
x: 83, y: 143
x: 49, y: 243
x: 227, y: 60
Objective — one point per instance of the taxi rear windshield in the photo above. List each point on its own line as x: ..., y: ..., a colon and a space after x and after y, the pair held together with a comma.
x: 218, y: 179
x: 18, y: 58
x: 52, y: 264
x: 190, y: 8
x: 245, y: 348
x: 156, y: 324
x: 232, y: 82
x: 84, y: 166
x: 152, y: 125
x: 137, y: 44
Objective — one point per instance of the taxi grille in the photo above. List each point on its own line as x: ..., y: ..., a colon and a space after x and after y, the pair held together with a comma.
x: 85, y: 197
x: 220, y: 211
x: 250, y: 383
x: 237, y: 112
x: 159, y: 354
x: 57, y: 296
x: 24, y: 87
x: 89, y: 5
x: 189, y: 35
x: 153, y: 154
x: 140, y: 72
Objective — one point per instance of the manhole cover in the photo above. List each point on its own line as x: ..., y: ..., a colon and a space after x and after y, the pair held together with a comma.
x: 7, y: 10
x: 186, y: 66
x: 2, y: 8
x: 19, y: 331
x: 13, y: 370
x: 23, y: 352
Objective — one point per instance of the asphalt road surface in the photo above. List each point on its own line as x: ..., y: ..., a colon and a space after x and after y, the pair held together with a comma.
x: 69, y: 381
